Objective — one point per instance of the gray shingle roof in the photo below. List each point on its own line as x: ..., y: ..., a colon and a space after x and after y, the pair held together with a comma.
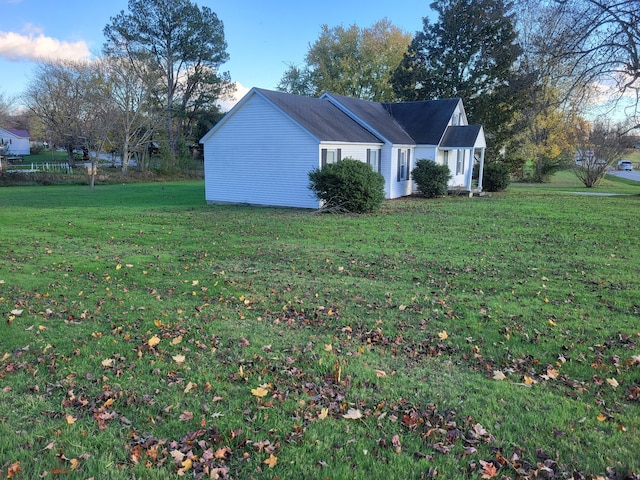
x: 424, y: 121
x: 376, y: 116
x: 320, y: 117
x: 463, y: 136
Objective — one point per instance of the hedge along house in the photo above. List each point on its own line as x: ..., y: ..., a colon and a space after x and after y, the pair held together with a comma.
x: 262, y: 151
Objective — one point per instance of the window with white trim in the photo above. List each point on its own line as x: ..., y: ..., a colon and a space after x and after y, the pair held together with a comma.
x: 404, y: 162
x: 373, y: 158
x: 330, y: 155
x: 460, y: 163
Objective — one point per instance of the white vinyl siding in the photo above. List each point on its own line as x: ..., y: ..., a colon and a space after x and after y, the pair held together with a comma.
x: 260, y: 156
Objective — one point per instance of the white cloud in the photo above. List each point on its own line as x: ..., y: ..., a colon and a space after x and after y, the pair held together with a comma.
x: 17, y: 47
x: 228, y: 104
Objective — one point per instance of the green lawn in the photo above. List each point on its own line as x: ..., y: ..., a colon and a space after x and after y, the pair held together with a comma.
x: 146, y: 334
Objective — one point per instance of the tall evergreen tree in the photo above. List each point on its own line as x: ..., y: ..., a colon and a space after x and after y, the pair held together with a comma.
x: 469, y: 52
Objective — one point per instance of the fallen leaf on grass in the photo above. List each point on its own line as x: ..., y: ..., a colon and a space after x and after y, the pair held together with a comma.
x: 16, y: 312
x: 271, y: 461
x: 353, y: 414
x: 186, y: 416
x: 261, y: 391
x: 14, y: 468
x: 613, y: 382
x: 488, y: 469
x: 70, y: 419
x: 381, y: 373
x: 153, y: 341
x: 107, y: 362
x: 179, y: 359
x: 443, y: 335
x: 498, y: 375
x: 190, y: 386
x: 323, y: 413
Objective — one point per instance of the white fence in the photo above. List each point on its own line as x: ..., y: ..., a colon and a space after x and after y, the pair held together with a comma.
x: 41, y: 167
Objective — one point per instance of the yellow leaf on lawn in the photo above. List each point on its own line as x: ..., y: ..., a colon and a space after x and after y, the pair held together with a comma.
x: 6, y: 356
x: 260, y: 392
x: 157, y: 322
x: 552, y: 323
x: 601, y: 417
x: 498, y: 375
x: 328, y: 347
x: 323, y: 413
x: 443, y: 335
x: 74, y: 463
x: 529, y: 380
x: 187, y: 464
x: 179, y: 359
x: 118, y: 267
x: 107, y: 362
x: 70, y: 420
x: 42, y: 327
x: 381, y: 373
x: 190, y: 386
x: 109, y: 402
x: 271, y: 461
x: 153, y: 341
x: 613, y: 382
x: 176, y: 340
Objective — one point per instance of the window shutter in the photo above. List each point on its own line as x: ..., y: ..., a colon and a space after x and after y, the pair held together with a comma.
x: 379, y: 160
x: 399, y: 165
x: 339, y: 156
x: 323, y: 162
x: 369, y: 156
x: 408, y: 164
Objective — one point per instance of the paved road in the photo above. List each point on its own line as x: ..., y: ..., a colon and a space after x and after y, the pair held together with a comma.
x: 632, y: 175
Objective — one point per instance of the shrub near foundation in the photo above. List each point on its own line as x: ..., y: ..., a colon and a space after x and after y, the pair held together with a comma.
x: 348, y: 186
x: 432, y: 179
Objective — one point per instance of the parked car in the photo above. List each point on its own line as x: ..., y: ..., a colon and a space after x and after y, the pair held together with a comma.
x: 625, y: 165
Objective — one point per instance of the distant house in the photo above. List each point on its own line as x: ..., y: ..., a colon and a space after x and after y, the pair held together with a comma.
x: 14, y: 142
x: 262, y: 151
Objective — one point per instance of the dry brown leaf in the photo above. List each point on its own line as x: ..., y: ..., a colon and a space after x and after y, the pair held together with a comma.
x: 381, y: 373
x: 179, y: 359
x: 70, y: 419
x: 153, y: 341
x: 353, y: 414
x: 498, y: 375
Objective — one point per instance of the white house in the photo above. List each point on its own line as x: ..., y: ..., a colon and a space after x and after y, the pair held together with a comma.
x: 262, y: 151
x: 14, y: 142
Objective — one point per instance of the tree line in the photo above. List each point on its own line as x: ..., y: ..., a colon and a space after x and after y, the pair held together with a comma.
x: 529, y: 71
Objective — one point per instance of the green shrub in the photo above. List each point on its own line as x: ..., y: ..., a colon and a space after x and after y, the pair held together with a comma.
x: 495, y: 177
x: 431, y: 179
x: 348, y: 185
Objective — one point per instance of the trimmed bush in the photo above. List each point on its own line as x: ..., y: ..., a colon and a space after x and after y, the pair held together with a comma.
x: 495, y: 177
x: 431, y: 179
x: 348, y: 186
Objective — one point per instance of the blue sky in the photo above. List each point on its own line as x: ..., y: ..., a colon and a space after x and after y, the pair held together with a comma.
x: 263, y: 36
